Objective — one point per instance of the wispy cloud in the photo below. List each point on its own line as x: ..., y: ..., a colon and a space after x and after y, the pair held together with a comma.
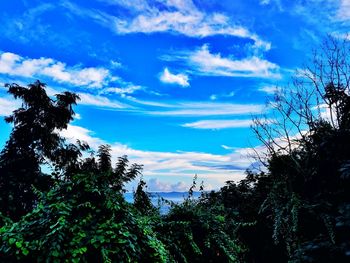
x: 129, y: 89
x: 228, y: 147
x: 16, y: 65
x: 331, y: 16
x: 207, y: 63
x: 202, y: 62
x: 269, y: 89
x: 208, y: 109
x: 171, y: 16
x: 116, y: 64
x: 28, y: 25
x: 173, y: 108
x: 180, y: 79
x: 101, y: 101
x: 222, y: 95
x: 218, y: 124
x: 276, y: 3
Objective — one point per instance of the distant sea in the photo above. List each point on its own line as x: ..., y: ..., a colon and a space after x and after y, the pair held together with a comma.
x: 176, y: 197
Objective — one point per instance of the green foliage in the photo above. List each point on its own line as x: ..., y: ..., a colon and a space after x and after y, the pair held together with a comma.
x: 82, y: 220
x: 197, y: 231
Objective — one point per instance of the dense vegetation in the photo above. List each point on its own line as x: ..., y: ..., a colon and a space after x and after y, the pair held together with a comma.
x: 295, y: 209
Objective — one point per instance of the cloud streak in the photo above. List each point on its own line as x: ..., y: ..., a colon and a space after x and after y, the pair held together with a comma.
x: 218, y: 124
x: 129, y: 89
x: 208, y: 109
x: 101, y: 101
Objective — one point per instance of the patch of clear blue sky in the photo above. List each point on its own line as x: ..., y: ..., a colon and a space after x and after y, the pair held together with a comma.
x: 74, y: 36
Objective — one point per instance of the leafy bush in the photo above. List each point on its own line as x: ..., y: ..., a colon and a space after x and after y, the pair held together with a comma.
x: 82, y: 220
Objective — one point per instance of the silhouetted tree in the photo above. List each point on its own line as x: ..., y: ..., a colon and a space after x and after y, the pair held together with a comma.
x: 123, y: 175
x: 307, y: 153
x: 34, y: 141
x: 142, y: 201
x: 104, y: 158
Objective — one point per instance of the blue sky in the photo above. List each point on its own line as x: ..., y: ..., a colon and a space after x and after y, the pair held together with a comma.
x: 171, y: 83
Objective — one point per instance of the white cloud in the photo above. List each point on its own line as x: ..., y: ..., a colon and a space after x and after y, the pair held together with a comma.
x: 209, y: 167
x: 171, y: 16
x: 8, y: 105
x: 156, y: 185
x: 344, y: 10
x: 179, y: 79
x: 206, y: 63
x: 218, y: 124
x: 203, y: 62
x: 73, y: 133
x: 15, y: 65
